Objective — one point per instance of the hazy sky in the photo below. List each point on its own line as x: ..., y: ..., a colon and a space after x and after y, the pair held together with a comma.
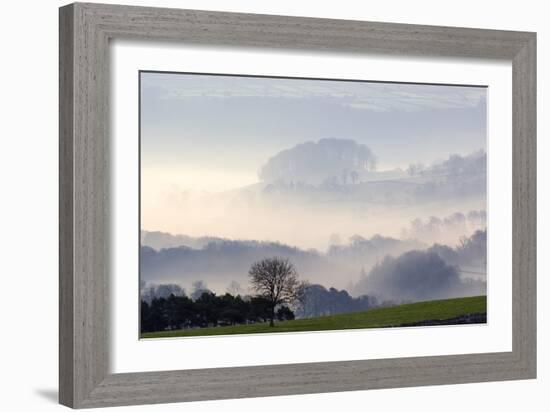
x: 203, y: 134
x: 214, y: 132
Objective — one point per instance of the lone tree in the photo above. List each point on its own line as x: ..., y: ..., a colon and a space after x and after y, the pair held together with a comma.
x: 276, y: 280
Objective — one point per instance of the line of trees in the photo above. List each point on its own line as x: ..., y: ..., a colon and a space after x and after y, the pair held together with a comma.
x: 274, y: 280
x: 320, y: 301
x: 276, y: 287
x: 180, y: 312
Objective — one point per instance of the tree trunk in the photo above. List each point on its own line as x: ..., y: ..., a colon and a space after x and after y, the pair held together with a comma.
x: 271, y: 320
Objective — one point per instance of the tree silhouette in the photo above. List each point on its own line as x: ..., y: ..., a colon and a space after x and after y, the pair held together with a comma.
x: 276, y: 280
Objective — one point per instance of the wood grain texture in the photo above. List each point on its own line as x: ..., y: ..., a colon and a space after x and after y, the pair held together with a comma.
x: 85, y: 31
x: 84, y: 161
x: 66, y: 228
x: 524, y: 207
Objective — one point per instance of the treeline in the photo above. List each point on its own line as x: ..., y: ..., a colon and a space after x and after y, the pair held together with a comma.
x: 320, y: 301
x: 181, y: 312
x: 173, y: 311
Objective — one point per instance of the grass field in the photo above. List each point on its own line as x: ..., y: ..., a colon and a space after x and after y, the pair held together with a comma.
x: 374, y: 318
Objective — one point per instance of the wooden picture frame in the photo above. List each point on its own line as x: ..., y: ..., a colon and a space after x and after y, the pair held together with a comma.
x: 85, y: 32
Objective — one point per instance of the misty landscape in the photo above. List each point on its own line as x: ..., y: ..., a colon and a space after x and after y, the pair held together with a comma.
x: 295, y: 205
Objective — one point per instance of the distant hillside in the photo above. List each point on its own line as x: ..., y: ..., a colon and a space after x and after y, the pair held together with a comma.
x: 459, y: 177
x: 366, y: 252
x: 219, y: 261
x: 162, y: 240
x: 316, y: 162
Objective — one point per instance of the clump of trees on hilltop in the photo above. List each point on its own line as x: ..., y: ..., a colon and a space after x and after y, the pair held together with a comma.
x: 180, y: 312
x: 279, y: 295
x: 274, y: 280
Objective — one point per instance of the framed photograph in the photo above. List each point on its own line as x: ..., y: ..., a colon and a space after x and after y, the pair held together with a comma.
x: 258, y: 205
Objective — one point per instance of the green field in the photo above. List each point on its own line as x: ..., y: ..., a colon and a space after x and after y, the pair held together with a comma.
x: 374, y: 318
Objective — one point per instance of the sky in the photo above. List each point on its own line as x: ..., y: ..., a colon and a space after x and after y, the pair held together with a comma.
x: 206, y: 134
x: 215, y: 132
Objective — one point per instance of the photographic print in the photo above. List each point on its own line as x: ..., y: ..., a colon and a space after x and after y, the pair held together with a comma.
x: 272, y: 204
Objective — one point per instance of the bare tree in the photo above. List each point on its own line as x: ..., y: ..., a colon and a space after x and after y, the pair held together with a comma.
x: 276, y: 280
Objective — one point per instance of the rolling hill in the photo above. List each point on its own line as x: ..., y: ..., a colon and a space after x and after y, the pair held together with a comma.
x: 413, y: 314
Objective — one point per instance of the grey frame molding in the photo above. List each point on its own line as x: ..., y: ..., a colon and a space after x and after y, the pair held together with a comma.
x: 85, y: 31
